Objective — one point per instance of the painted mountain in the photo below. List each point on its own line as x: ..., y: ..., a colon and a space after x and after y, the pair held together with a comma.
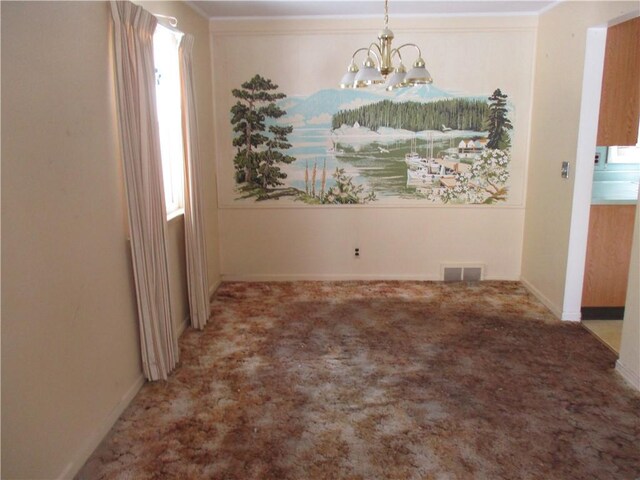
x: 318, y: 108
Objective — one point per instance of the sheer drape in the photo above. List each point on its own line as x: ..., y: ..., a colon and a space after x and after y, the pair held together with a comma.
x: 140, y: 148
x: 198, y: 283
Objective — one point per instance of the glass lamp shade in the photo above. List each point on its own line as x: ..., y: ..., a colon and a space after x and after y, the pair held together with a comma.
x: 368, y: 75
x: 418, y: 75
x: 397, y: 78
x: 348, y: 80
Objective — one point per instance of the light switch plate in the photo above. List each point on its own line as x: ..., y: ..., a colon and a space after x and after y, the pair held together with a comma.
x: 565, y: 170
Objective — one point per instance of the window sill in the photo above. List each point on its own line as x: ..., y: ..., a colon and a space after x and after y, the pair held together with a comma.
x: 175, y: 214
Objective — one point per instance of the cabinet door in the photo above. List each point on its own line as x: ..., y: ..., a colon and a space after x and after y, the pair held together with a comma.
x: 620, y: 99
x: 608, y: 255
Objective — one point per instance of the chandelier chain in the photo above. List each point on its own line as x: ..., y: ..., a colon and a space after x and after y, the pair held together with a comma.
x: 386, y: 13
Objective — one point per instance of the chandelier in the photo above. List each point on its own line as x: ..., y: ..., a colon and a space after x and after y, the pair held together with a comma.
x: 378, y: 68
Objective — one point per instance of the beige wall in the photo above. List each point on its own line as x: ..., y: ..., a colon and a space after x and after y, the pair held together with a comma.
x: 69, y: 322
x: 562, y: 34
x: 283, y: 239
x: 70, y: 348
x: 395, y: 243
x: 629, y: 361
x: 179, y: 292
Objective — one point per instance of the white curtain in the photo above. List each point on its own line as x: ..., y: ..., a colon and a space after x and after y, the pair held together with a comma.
x: 197, y: 280
x: 140, y: 148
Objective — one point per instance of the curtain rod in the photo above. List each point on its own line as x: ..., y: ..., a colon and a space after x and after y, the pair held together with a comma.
x: 173, y: 21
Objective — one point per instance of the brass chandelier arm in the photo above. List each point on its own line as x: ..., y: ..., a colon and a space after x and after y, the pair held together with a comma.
x: 369, y: 51
x: 353, y: 57
x: 409, y: 45
x: 396, y: 51
x: 377, y: 55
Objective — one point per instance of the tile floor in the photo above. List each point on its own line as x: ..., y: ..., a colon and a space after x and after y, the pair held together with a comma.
x: 607, y: 331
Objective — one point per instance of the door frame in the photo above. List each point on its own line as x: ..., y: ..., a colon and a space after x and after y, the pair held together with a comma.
x: 584, y: 166
x: 583, y: 176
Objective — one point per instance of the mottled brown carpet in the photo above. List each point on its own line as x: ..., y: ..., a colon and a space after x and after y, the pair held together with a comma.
x: 380, y: 380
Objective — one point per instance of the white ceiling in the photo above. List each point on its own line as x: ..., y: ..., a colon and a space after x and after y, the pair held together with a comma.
x: 364, y: 8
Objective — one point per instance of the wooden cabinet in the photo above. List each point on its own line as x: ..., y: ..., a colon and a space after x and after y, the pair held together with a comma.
x: 620, y: 98
x: 608, y: 255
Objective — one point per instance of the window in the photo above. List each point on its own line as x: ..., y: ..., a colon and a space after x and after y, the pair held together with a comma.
x: 624, y: 154
x: 168, y: 98
x: 630, y: 154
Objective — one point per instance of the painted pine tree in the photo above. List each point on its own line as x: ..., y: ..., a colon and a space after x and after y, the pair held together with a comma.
x: 269, y: 174
x: 498, y: 124
x: 259, y: 149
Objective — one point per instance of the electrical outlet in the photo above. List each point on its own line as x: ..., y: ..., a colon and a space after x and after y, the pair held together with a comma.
x: 357, y: 252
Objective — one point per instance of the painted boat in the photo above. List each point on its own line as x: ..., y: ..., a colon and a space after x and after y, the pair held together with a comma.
x: 431, y: 166
x: 414, y: 162
x: 414, y: 159
x: 424, y: 176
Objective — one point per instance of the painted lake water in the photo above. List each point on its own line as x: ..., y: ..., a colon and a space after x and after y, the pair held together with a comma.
x: 372, y: 159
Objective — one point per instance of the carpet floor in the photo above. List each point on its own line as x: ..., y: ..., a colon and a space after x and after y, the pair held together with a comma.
x: 380, y: 380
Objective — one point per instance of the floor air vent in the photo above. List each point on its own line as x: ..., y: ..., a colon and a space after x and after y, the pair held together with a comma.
x: 462, y: 273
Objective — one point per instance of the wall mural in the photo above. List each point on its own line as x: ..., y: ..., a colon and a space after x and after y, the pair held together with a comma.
x: 357, y: 146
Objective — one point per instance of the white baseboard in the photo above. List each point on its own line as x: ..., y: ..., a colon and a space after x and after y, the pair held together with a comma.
x: 322, y: 277
x: 633, y: 378
x: 571, y: 316
x: 339, y: 277
x: 101, y: 431
x: 491, y: 278
x: 545, y: 301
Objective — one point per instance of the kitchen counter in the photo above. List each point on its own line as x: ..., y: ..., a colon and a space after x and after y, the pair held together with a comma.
x: 614, y: 192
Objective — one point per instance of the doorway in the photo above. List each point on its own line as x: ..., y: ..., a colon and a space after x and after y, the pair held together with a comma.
x: 607, y: 330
